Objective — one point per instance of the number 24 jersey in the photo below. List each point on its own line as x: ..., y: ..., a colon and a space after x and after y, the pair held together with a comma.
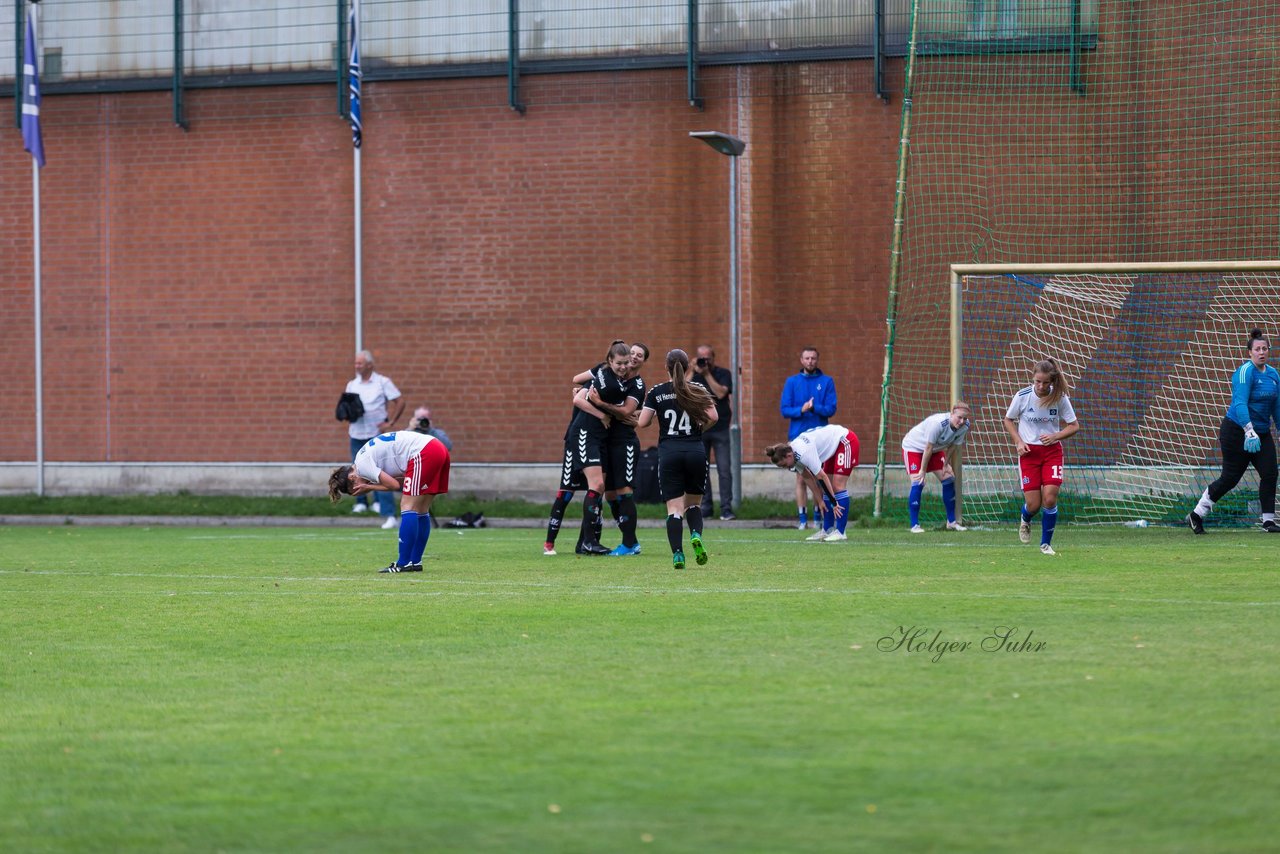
x: 674, y: 424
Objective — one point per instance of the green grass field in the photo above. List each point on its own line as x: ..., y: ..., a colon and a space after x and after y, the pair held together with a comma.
x: 215, y: 689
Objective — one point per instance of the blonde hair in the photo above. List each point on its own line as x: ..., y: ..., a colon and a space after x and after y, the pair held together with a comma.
x: 1057, y: 379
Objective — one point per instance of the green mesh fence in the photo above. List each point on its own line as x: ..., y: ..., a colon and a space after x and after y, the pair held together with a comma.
x: 1089, y: 132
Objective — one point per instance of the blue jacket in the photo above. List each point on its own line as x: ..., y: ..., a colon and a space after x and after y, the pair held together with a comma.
x: 1255, y: 397
x: 796, y: 393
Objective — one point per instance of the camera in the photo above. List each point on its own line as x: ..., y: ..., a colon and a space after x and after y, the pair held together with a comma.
x: 702, y: 363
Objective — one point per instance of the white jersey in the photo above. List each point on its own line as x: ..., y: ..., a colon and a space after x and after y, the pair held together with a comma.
x: 375, y: 395
x: 390, y: 452
x: 936, y: 430
x: 814, y: 447
x: 1036, y: 420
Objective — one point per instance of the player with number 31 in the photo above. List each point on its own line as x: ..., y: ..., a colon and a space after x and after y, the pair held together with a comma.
x: 1039, y: 418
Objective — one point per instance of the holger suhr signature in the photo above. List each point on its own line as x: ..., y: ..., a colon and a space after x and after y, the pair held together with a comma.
x: 922, y: 639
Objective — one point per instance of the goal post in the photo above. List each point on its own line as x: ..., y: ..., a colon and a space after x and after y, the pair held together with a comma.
x: 1148, y: 349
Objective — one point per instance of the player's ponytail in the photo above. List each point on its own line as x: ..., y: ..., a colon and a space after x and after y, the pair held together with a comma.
x: 1057, y: 379
x: 339, y: 483
x: 693, y: 399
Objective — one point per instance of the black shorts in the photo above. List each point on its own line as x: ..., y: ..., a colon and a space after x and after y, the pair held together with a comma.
x: 571, y: 476
x: 587, y: 447
x: 620, y: 463
x: 682, y: 469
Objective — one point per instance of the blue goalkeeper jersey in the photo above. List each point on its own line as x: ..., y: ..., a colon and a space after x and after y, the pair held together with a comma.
x: 1255, y: 397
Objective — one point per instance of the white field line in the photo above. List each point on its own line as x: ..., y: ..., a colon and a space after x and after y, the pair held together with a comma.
x: 549, y: 589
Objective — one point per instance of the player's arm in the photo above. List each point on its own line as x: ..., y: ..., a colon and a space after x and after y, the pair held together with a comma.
x: 1011, y: 427
x: 918, y: 477
x: 953, y: 459
x: 385, y: 483
x: 823, y: 481
x: 646, y: 417
x: 1068, y: 430
x: 582, y: 378
x: 1241, y: 382
x: 581, y: 402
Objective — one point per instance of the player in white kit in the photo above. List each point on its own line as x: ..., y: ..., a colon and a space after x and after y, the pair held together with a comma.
x: 824, y: 457
x: 934, y: 445
x: 1039, y: 418
x: 412, y: 463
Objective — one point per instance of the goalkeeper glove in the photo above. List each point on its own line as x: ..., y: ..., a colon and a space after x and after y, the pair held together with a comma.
x: 1252, y: 444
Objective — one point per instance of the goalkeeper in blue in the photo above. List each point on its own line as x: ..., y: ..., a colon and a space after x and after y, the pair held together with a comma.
x: 1245, y: 436
x: 934, y: 445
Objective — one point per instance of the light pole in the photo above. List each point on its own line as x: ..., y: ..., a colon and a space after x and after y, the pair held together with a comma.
x: 732, y: 147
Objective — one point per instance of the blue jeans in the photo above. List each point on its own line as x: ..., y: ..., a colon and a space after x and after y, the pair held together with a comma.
x: 386, y: 502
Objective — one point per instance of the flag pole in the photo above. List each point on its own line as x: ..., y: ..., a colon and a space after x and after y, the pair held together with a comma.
x: 33, y: 142
x: 357, y: 134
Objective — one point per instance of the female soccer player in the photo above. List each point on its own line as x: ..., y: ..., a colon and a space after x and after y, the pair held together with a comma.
x: 622, y: 449
x: 683, y: 410
x: 824, y: 457
x: 1039, y: 418
x: 934, y: 445
x: 414, y: 464
x: 1245, y: 435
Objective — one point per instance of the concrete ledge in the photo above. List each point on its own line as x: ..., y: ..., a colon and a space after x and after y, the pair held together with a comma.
x: 530, y: 481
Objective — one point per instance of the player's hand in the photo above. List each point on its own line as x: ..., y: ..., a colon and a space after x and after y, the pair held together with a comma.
x: 1023, y: 450
x: 947, y: 472
x: 838, y: 511
x: 917, y: 477
x: 1049, y: 439
x: 593, y: 395
x: 1252, y: 444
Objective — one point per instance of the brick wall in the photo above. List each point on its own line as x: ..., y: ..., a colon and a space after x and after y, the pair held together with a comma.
x: 198, y: 285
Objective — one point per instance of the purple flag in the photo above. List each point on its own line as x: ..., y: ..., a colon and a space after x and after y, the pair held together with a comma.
x: 31, y: 139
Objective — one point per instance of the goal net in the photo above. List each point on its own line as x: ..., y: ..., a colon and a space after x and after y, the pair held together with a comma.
x: 1148, y: 349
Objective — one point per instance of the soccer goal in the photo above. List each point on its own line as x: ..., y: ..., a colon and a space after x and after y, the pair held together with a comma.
x: 1148, y: 348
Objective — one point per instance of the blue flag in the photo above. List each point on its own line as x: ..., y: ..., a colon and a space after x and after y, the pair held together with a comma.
x: 31, y: 139
x: 353, y: 75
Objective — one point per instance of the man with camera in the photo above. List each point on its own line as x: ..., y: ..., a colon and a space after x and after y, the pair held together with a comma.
x: 718, y: 381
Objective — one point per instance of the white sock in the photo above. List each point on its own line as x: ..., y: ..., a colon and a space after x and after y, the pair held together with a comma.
x: 1205, y: 507
x: 1268, y: 517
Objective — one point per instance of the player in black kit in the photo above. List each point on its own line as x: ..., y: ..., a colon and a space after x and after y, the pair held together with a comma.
x: 683, y: 409
x: 585, y: 446
x: 622, y: 450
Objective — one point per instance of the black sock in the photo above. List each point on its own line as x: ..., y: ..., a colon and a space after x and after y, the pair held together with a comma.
x: 693, y: 516
x: 591, y: 517
x: 563, y: 497
x: 627, y: 521
x: 675, y: 533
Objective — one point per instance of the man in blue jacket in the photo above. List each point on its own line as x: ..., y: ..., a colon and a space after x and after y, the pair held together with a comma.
x: 809, y: 400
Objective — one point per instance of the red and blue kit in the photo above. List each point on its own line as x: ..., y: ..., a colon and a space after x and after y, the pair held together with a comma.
x: 423, y: 461
x: 1042, y: 464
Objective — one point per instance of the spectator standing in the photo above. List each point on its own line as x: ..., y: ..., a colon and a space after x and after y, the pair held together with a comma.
x: 383, y: 406
x: 719, y: 381
x: 809, y: 400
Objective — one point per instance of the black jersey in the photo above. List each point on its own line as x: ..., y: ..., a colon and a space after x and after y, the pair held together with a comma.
x: 621, y: 430
x: 674, y: 424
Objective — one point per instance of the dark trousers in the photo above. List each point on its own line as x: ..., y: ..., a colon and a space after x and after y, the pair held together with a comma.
x: 1235, y: 461
x: 718, y: 442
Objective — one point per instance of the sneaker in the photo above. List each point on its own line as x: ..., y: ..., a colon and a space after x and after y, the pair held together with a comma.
x: 624, y: 550
x: 1046, y: 549
x: 395, y: 567
x: 727, y: 516
x: 1024, y: 531
x: 817, y: 536
x: 800, y: 526
x: 1271, y: 527
x: 413, y: 567
x: 1195, y: 522
x: 360, y: 508
x: 836, y: 537
x: 390, y: 522
x: 594, y: 549
x: 548, y: 550
x: 699, y: 551
x: 677, y: 560
x: 956, y: 526
x: 916, y: 529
